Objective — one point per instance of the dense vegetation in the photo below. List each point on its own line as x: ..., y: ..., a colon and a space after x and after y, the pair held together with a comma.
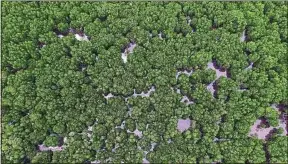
x: 53, y: 87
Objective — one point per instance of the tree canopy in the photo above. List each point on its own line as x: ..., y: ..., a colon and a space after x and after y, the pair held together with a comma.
x: 65, y: 86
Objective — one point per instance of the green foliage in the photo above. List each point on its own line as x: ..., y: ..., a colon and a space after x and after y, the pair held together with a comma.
x: 51, y: 141
x: 277, y: 148
x: 53, y: 87
x: 272, y: 116
x: 42, y: 157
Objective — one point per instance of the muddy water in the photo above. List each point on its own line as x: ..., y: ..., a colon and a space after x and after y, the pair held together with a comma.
x: 260, y: 133
x: 160, y: 35
x: 60, y: 36
x: 219, y: 74
x: 95, y: 162
x: 169, y: 141
x: 145, y: 161
x: 186, y: 100
x: 188, y: 73
x: 122, y: 126
x: 183, y: 125
x: 146, y: 152
x: 127, y: 51
x: 81, y: 38
x: 263, y: 133
x: 283, y: 125
x: 42, y: 147
x: 130, y: 108
x: 55, y: 148
x: 124, y: 57
x: 219, y: 139
x: 153, y: 146
x: 90, y: 128
x: 108, y: 96
x: 210, y: 65
x: 138, y: 133
x: 250, y: 66
x: 188, y: 20
x: 282, y: 118
x: 210, y: 88
x: 243, y: 37
x: 143, y: 94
